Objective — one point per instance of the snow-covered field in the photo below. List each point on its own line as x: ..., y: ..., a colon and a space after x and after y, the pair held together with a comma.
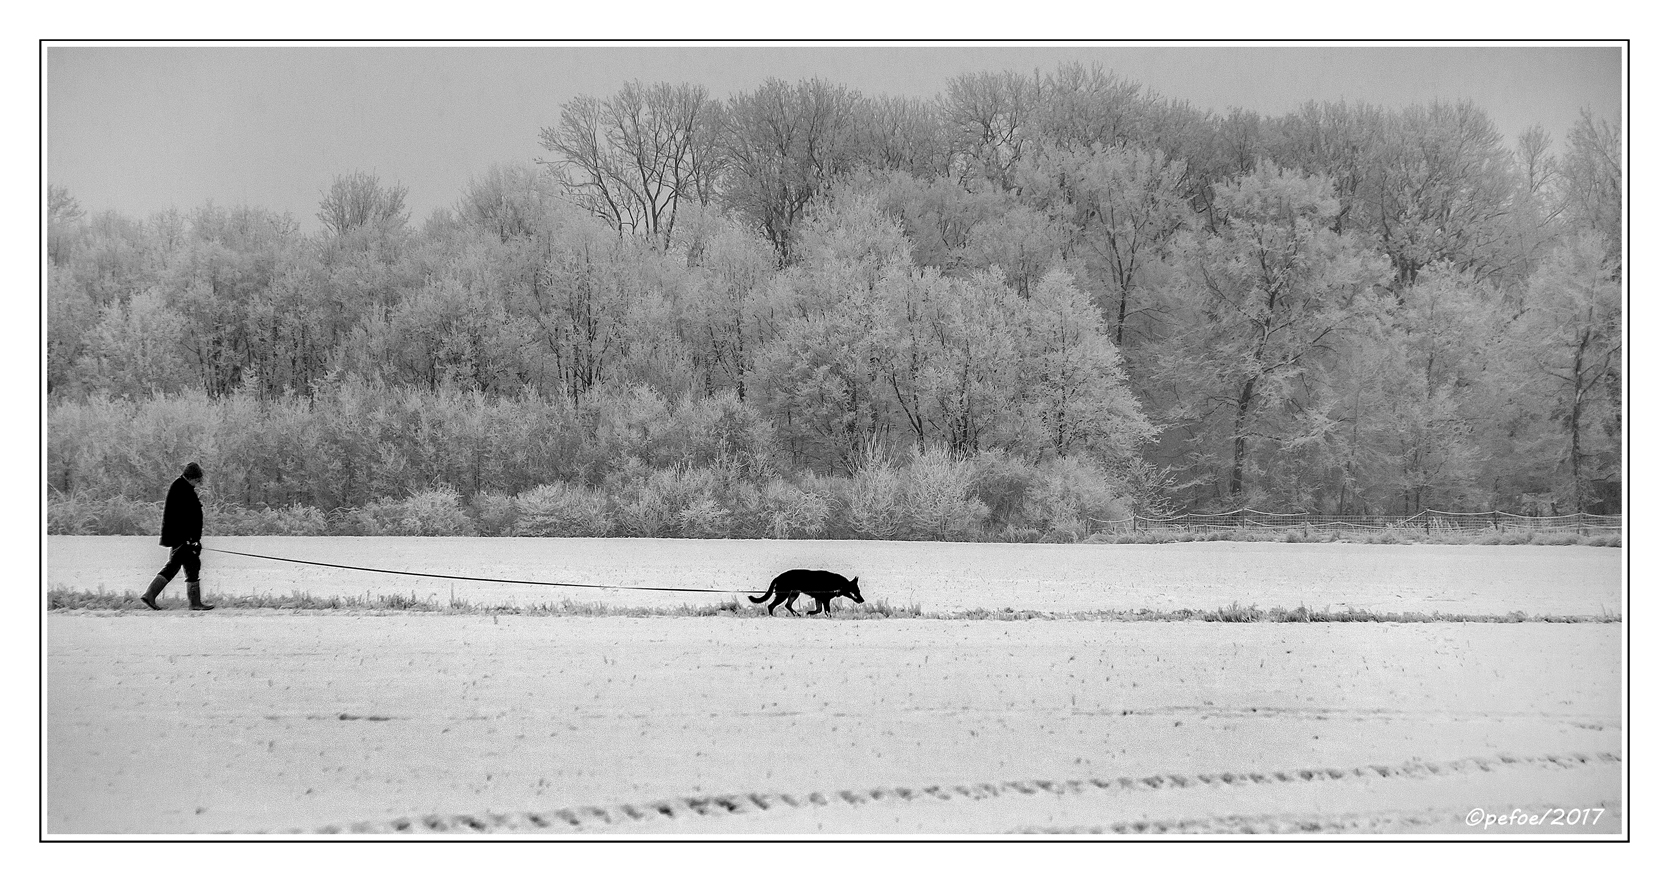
x: 265, y: 721
x: 942, y: 577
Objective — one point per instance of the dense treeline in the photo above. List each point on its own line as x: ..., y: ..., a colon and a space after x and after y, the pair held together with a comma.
x: 1029, y: 284
x: 366, y: 460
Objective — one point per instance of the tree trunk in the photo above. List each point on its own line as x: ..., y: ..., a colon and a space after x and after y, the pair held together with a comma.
x: 1242, y: 408
x: 1123, y: 305
x: 741, y: 357
x: 1576, y: 426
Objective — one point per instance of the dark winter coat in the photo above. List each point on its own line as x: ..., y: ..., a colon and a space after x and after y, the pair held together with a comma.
x: 182, y: 515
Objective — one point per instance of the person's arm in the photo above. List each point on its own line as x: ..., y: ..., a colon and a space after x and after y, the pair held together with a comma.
x: 171, y: 515
x: 196, y: 519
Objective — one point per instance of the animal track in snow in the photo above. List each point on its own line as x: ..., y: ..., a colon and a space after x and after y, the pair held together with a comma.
x: 618, y: 819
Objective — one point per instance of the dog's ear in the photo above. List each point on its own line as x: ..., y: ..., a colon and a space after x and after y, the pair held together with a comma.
x: 854, y: 581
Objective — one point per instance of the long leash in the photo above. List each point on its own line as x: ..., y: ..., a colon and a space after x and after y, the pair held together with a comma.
x: 338, y: 566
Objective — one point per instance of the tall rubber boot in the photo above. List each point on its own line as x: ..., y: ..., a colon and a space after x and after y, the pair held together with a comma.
x: 151, y: 593
x: 194, y: 593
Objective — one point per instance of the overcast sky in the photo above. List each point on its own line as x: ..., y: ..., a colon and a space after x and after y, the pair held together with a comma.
x: 138, y: 129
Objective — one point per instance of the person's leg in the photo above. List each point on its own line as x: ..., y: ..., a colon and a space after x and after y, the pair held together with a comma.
x: 193, y: 589
x: 163, y: 577
x: 155, y: 589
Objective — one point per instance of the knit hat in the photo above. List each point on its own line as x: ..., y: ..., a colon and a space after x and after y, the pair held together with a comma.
x: 193, y: 472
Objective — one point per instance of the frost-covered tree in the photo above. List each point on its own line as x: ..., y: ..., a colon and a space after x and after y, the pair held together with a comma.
x: 1258, y: 303
x: 137, y: 348
x: 1440, y: 189
x: 1125, y: 205
x: 63, y: 217
x: 784, y: 146
x: 640, y: 157
x: 1073, y: 391
x: 360, y: 201
x: 1591, y: 175
x: 509, y: 201
x: 990, y: 120
x: 1570, y: 339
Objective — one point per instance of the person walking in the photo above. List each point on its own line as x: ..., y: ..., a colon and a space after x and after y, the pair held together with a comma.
x: 182, y: 531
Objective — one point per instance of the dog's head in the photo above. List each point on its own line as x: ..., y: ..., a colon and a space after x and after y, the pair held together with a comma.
x: 852, y: 591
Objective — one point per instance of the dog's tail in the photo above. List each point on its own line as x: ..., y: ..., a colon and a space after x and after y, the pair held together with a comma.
x: 767, y: 595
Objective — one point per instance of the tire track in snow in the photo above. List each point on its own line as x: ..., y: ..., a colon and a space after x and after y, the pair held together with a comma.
x: 620, y: 818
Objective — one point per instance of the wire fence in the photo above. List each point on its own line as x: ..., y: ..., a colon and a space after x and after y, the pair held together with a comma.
x: 1428, y: 521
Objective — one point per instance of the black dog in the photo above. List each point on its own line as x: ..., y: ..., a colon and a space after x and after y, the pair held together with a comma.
x: 819, y: 585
